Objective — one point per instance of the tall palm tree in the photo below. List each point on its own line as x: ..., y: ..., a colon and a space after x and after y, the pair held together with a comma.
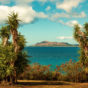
x: 5, y: 34
x: 13, y: 23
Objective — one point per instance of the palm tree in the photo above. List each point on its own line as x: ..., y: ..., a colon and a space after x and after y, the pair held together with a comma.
x: 12, y: 58
x: 82, y: 38
x: 13, y: 23
x: 5, y: 34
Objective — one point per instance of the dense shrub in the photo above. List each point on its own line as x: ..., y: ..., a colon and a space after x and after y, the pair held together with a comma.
x: 74, y: 71
x: 70, y: 71
x: 39, y: 72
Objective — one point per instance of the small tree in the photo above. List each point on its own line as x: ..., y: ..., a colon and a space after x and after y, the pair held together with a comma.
x: 81, y: 37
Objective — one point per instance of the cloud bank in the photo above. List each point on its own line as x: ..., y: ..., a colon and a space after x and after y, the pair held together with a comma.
x: 26, y: 14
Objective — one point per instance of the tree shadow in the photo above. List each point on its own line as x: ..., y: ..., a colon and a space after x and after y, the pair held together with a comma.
x: 43, y: 83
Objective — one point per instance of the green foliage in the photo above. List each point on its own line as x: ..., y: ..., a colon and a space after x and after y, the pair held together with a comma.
x: 21, y: 41
x: 86, y: 28
x: 82, y: 39
x: 6, y: 57
x: 70, y: 71
x: 5, y: 35
x: 76, y: 34
x: 12, y: 63
x: 4, y: 32
x: 40, y: 72
x: 73, y: 71
x: 34, y: 72
x: 21, y: 63
x: 13, y: 21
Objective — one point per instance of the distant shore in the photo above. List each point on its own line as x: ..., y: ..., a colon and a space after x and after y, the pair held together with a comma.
x: 52, y: 46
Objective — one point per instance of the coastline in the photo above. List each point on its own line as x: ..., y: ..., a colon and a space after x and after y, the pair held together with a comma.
x: 52, y: 46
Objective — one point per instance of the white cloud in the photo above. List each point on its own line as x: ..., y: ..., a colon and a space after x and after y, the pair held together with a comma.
x: 60, y: 15
x: 64, y: 37
x: 41, y: 15
x: 56, y: 16
x: 81, y: 15
x: 67, y: 5
x: 4, y: 13
x: 26, y: 14
x: 70, y: 23
x: 48, y: 8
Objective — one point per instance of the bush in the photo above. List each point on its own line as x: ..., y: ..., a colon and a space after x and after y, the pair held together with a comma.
x: 74, y: 71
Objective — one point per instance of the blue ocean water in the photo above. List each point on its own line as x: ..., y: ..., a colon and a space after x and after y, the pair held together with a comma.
x: 52, y: 55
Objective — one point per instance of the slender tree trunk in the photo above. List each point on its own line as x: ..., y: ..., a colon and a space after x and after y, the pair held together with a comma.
x: 14, y: 40
x: 5, y: 41
x: 16, y: 50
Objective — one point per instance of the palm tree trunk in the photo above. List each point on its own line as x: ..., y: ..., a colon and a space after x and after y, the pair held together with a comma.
x: 14, y: 39
x: 5, y: 41
x: 16, y: 50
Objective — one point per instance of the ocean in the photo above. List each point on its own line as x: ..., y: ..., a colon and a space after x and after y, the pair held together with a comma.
x: 52, y: 55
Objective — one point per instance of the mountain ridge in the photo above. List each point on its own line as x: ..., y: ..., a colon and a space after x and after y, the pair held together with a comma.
x: 52, y: 44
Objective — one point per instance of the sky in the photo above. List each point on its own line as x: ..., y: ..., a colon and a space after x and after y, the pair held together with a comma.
x: 46, y: 20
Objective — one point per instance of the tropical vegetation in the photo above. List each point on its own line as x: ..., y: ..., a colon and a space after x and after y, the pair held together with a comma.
x: 13, y: 59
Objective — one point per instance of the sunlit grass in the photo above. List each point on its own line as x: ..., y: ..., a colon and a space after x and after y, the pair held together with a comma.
x: 50, y: 84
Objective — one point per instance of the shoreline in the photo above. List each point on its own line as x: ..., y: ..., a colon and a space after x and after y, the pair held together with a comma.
x: 52, y: 46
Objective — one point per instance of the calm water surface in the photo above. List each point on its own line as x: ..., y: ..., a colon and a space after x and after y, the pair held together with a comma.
x: 52, y: 55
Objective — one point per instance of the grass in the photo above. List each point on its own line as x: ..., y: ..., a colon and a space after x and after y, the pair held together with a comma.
x: 45, y: 84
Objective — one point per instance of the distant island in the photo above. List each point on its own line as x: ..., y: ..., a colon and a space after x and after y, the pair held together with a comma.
x: 54, y: 44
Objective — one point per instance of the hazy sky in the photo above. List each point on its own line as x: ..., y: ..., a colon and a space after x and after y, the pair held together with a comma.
x: 50, y: 20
